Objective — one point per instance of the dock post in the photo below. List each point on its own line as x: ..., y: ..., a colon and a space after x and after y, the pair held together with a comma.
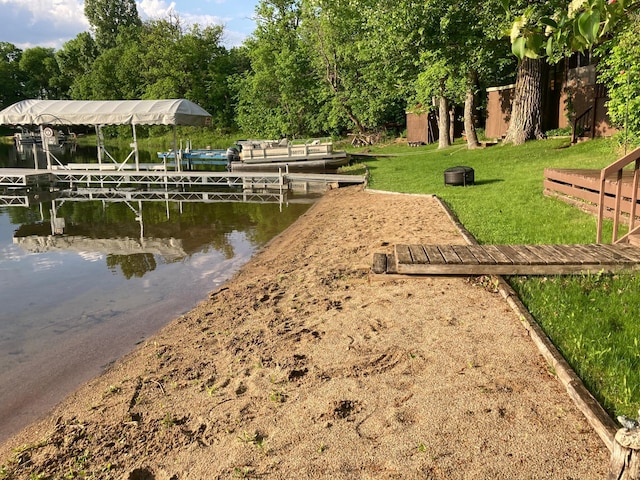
x: 625, y: 458
x: 45, y: 147
x: 99, y: 141
x: 135, y: 147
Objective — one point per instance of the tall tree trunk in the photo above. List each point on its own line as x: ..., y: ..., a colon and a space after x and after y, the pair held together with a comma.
x: 452, y: 123
x: 526, y: 111
x: 443, y: 123
x: 470, y: 110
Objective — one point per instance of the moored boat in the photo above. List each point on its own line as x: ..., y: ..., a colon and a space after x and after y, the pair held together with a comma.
x: 267, y: 155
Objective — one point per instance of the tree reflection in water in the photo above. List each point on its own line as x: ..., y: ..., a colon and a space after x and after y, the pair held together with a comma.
x: 134, y: 265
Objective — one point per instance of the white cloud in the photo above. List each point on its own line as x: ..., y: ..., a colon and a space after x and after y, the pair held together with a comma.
x: 155, y: 8
x: 48, y: 23
x: 91, y: 256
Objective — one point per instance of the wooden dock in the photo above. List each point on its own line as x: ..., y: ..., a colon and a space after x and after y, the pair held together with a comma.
x: 507, y: 259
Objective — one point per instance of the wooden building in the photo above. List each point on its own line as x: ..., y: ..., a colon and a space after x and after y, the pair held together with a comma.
x: 573, y: 96
x: 422, y: 128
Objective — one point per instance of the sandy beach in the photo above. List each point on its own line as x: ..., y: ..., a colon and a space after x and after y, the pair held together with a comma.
x: 302, y: 366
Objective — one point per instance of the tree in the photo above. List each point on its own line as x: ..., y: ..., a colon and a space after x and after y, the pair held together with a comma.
x: 40, y: 69
x: 439, y: 79
x: 107, y: 17
x: 360, y: 59
x: 281, y: 95
x: 75, y: 60
x: 10, y: 75
x: 459, y: 47
x: 619, y: 71
x: 526, y: 109
x: 545, y: 32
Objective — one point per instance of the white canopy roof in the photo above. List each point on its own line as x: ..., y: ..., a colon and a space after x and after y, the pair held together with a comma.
x: 104, y: 112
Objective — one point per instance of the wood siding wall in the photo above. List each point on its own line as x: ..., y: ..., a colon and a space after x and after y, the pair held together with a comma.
x: 581, y: 81
x: 498, y: 110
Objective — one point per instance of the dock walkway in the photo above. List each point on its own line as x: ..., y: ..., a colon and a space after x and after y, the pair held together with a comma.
x: 24, y: 178
x: 507, y: 259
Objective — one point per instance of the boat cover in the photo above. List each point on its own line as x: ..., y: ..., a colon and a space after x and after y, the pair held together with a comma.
x: 104, y: 112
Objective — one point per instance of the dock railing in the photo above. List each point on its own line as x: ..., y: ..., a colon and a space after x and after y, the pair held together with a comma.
x: 616, y: 169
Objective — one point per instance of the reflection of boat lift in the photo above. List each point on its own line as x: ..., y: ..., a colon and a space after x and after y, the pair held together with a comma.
x: 59, y: 239
x: 166, y: 247
x: 23, y: 198
x: 58, y: 224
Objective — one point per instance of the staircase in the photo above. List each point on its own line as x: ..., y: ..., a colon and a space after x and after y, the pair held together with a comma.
x: 584, y: 125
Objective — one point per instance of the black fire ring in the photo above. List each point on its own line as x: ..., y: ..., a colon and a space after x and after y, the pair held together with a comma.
x: 459, y: 176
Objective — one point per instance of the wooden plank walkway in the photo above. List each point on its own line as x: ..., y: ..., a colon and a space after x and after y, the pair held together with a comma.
x: 508, y: 259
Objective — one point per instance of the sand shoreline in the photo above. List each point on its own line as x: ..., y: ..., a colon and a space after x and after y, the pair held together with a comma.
x: 300, y: 367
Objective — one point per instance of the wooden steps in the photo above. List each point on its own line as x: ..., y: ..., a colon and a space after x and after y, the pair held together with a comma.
x: 507, y: 259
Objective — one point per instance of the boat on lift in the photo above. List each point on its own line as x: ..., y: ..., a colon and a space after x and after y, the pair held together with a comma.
x: 55, y: 139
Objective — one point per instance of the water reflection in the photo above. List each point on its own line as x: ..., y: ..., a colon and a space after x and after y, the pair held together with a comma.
x: 132, y: 233
x: 85, y: 274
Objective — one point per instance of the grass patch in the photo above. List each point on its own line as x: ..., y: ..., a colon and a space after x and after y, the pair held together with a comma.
x: 592, y: 318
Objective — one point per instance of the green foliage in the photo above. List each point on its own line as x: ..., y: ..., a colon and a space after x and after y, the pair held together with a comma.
x: 10, y: 74
x: 107, y: 17
x: 439, y: 78
x: 75, y: 60
x: 364, y: 58
x: 619, y: 71
x: 280, y: 95
x: 559, y: 132
x: 158, y: 59
x: 553, y: 29
x: 39, y: 67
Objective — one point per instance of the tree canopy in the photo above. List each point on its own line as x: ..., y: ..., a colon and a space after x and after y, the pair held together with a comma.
x: 324, y: 67
x: 107, y: 17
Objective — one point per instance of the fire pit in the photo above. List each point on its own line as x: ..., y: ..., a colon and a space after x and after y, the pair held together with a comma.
x: 459, y: 176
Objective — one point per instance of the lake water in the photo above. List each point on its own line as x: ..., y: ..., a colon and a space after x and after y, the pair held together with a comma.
x: 83, y: 281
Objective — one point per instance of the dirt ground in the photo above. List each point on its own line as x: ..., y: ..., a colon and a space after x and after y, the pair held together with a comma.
x: 303, y: 367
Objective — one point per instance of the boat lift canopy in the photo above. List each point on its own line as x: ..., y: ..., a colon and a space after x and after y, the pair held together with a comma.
x: 105, y: 112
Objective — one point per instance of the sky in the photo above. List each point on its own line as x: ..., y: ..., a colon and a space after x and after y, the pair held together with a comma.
x: 50, y: 23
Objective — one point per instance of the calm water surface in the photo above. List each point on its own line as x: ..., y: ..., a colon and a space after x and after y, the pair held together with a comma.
x: 83, y: 281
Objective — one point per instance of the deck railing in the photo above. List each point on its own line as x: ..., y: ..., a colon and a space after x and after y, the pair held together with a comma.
x: 616, y: 169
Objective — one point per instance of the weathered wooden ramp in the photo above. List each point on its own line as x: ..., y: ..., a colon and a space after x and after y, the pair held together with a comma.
x: 507, y: 259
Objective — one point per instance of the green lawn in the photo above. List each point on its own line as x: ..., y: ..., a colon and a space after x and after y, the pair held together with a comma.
x: 591, y: 319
